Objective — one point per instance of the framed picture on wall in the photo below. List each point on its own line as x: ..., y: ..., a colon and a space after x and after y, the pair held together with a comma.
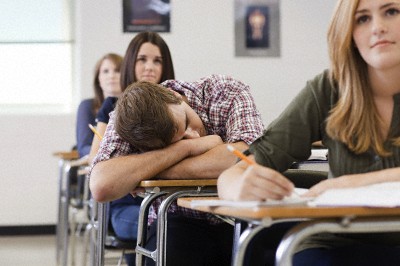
x: 257, y: 28
x: 146, y: 15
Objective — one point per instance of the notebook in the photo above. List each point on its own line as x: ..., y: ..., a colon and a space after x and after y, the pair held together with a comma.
x: 376, y: 195
x: 294, y: 199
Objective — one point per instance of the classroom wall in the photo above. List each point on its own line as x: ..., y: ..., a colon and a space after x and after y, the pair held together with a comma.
x: 201, y: 42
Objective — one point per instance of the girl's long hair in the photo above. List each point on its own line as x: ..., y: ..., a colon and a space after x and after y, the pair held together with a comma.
x: 98, y: 91
x: 354, y: 120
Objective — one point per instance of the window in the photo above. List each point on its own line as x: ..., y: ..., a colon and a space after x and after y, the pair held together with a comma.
x: 35, y: 54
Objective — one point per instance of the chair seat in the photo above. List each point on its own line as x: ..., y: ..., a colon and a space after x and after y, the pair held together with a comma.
x: 114, y: 242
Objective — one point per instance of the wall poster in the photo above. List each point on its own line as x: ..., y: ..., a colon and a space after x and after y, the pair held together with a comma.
x: 257, y: 28
x: 146, y: 15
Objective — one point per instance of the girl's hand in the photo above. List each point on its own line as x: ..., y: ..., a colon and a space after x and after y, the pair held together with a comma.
x: 345, y: 181
x: 256, y: 182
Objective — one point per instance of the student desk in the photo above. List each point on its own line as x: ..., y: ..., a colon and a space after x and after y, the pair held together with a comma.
x: 66, y: 161
x: 63, y: 199
x: 172, y: 189
x: 313, y: 220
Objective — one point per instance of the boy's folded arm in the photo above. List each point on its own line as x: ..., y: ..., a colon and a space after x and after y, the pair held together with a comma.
x: 209, y: 164
x: 114, y: 178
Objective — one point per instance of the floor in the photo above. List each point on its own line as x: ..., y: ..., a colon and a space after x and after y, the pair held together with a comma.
x: 32, y: 250
x: 39, y: 251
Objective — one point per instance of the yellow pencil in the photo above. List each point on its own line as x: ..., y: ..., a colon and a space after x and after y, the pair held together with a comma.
x: 240, y: 155
x: 95, y: 132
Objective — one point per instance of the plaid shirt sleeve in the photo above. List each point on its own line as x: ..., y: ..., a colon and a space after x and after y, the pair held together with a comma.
x: 111, y: 145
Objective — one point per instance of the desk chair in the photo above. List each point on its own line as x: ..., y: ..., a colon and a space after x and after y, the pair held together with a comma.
x: 172, y: 189
x: 300, y: 178
x: 69, y: 192
x: 313, y: 220
x: 346, y: 224
x: 76, y: 196
x: 305, y: 178
x: 100, y: 237
x: 79, y: 201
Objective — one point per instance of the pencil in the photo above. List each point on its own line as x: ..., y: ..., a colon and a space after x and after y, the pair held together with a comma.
x: 95, y: 132
x: 240, y: 154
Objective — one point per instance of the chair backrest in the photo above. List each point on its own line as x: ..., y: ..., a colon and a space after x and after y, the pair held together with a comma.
x: 305, y: 178
x: 111, y: 240
x: 77, y: 179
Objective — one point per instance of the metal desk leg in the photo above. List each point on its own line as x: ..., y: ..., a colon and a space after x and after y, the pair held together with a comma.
x: 300, y: 232
x: 65, y: 221
x: 162, y: 221
x: 237, y: 231
x: 59, y: 219
x: 240, y: 246
x: 63, y: 206
x: 101, y: 233
x: 142, y: 227
x: 87, y: 207
x: 92, y: 234
x: 88, y: 244
x: 244, y: 240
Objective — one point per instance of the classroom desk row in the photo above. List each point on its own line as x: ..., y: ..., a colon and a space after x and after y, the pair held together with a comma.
x: 170, y: 189
x: 313, y: 220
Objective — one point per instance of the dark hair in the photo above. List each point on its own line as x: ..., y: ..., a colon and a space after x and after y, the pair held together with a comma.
x: 98, y: 91
x: 143, y: 118
x: 128, y: 66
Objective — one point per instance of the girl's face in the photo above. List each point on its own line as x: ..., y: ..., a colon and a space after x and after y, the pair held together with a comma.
x: 109, y: 78
x: 148, y: 66
x: 377, y: 33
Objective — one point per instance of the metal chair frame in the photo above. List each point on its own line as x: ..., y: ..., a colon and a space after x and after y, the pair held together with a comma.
x: 66, y: 224
x: 98, y: 237
x: 159, y: 254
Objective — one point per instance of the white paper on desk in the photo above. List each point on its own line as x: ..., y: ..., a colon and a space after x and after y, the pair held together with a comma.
x: 377, y: 195
x: 319, y: 154
x: 294, y: 199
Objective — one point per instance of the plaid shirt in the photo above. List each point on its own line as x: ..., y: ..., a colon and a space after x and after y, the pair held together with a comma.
x: 225, y: 107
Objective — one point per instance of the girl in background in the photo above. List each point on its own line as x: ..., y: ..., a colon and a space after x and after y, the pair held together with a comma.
x: 147, y: 58
x: 105, y: 84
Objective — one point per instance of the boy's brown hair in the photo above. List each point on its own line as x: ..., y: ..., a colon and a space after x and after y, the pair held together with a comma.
x: 143, y: 118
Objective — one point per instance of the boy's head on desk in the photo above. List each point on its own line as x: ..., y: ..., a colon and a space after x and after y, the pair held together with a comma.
x: 150, y: 116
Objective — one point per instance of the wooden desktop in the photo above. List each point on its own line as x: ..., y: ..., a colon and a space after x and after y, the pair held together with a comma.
x: 313, y: 220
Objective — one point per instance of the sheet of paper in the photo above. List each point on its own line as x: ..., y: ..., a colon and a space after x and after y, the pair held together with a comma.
x: 377, y: 195
x: 319, y: 154
x: 294, y: 199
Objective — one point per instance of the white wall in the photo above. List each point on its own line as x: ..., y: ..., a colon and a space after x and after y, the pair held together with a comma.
x: 201, y: 42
